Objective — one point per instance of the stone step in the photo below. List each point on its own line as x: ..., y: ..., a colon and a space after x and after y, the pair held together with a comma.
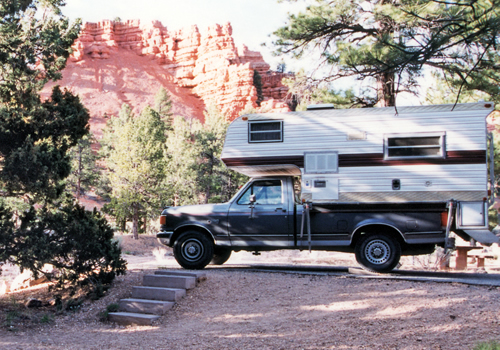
x: 167, y: 281
x: 157, y: 293
x: 129, y: 318
x: 200, y: 275
x: 143, y: 306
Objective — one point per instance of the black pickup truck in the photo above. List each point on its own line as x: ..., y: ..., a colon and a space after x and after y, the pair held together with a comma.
x: 266, y: 214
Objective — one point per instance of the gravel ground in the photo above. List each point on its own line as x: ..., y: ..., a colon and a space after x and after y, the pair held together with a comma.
x: 259, y: 310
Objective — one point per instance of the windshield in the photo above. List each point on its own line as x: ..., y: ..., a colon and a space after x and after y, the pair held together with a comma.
x: 233, y: 198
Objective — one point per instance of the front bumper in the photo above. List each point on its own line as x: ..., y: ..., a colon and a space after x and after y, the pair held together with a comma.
x: 164, y: 237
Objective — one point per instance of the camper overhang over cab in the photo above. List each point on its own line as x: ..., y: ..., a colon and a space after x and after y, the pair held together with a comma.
x: 435, y: 154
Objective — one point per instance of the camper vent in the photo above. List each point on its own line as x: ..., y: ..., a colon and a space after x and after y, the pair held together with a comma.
x: 320, y: 106
x: 356, y: 136
x: 321, y: 163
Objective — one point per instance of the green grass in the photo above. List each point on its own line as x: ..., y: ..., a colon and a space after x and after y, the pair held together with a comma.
x: 491, y: 345
x: 46, y: 319
x: 104, y: 315
x: 112, y: 307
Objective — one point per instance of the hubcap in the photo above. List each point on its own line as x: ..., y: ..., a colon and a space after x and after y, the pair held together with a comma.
x: 192, y: 249
x: 378, y: 252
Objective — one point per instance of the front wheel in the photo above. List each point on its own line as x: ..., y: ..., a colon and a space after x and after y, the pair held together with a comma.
x: 378, y: 252
x: 193, y: 250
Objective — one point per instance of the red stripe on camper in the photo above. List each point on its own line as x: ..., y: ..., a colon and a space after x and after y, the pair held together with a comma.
x: 377, y: 159
x: 294, y: 160
x: 365, y: 159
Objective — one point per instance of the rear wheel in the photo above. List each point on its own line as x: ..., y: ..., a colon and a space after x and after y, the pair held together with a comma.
x: 378, y: 252
x: 221, y: 255
x: 193, y: 250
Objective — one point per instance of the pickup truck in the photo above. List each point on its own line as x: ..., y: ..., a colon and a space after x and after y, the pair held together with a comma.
x: 266, y: 214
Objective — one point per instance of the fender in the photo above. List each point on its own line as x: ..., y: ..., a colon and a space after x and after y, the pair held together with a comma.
x: 380, y: 222
x: 194, y: 224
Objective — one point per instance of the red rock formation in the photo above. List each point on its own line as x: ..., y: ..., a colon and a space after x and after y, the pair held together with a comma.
x: 188, y: 64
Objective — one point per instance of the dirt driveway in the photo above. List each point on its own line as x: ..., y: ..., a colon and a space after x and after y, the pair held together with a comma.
x: 258, y: 310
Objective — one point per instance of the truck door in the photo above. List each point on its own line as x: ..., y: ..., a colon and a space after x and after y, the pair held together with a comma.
x: 267, y: 225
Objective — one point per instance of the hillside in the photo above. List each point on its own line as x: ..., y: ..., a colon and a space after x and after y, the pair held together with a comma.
x: 115, y: 63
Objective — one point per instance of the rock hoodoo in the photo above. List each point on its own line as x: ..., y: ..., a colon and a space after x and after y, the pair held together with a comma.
x: 198, y: 69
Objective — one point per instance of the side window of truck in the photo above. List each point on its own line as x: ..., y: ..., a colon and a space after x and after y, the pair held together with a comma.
x: 265, y: 191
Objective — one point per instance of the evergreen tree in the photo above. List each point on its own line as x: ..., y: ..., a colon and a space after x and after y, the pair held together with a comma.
x: 85, y: 173
x: 281, y: 67
x: 137, y: 163
x: 257, y: 82
x: 163, y: 106
x: 392, y: 41
x: 215, y: 182
x: 182, y: 161
x: 35, y: 137
x: 441, y: 91
x: 304, y: 92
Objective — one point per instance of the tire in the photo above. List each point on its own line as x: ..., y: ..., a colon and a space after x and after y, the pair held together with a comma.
x: 221, y: 255
x: 193, y: 250
x: 378, y: 252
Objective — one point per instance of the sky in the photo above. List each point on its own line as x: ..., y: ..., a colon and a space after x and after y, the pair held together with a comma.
x: 252, y: 20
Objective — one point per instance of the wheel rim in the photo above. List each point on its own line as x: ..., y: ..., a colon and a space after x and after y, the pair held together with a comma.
x: 192, y: 249
x: 378, y: 252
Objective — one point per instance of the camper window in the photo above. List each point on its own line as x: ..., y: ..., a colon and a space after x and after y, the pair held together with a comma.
x: 414, y: 146
x: 269, y: 131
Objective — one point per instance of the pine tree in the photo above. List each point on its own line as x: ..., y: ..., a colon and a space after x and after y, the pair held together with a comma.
x: 35, y: 139
x: 257, y: 82
x: 441, y: 91
x: 215, y: 182
x: 303, y: 92
x: 392, y: 41
x: 163, y: 106
x: 85, y: 173
x: 182, y: 162
x: 137, y: 163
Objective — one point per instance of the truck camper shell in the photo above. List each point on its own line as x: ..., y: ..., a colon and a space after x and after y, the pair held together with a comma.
x: 405, y: 155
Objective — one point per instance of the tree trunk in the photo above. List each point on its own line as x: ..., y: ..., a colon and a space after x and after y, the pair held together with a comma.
x: 386, y: 90
x: 135, y: 221
x: 207, y: 195
x: 79, y: 173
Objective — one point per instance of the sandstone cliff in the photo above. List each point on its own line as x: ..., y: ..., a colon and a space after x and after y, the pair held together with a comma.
x: 113, y: 63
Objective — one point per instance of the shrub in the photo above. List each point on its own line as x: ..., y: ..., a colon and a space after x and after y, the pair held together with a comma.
x: 46, y: 319
x: 113, y: 307
x: 104, y: 315
x: 78, y: 243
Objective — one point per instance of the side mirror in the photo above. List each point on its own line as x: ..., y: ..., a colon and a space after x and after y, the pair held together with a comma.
x: 252, y: 205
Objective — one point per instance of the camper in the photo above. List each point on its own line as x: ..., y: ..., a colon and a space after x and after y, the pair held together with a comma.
x: 378, y: 182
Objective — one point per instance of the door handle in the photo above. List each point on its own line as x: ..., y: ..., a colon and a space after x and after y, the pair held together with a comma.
x: 280, y: 209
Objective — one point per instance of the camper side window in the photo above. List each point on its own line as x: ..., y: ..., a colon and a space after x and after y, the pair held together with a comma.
x: 265, y: 131
x: 414, y: 146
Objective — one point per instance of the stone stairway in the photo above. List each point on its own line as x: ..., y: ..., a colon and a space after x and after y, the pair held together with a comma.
x: 158, y: 293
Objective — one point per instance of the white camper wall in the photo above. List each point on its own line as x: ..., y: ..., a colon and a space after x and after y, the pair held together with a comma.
x: 359, y: 176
